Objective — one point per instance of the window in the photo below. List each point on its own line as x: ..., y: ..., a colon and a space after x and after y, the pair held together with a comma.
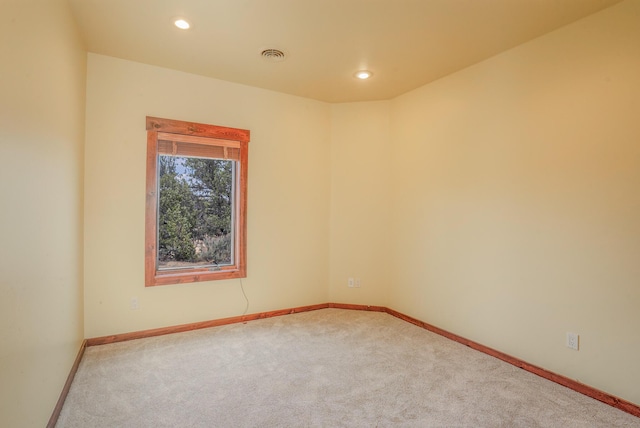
x: 196, y: 202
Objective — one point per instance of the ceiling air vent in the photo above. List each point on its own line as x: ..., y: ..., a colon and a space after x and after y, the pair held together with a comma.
x: 273, y: 55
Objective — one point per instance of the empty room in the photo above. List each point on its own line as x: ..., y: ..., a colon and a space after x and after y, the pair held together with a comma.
x: 320, y: 213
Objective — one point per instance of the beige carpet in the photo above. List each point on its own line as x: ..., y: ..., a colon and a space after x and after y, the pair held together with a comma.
x: 326, y: 368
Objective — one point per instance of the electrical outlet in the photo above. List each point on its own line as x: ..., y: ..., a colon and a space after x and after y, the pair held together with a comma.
x: 358, y: 283
x: 573, y: 340
x: 134, y: 304
x: 350, y: 283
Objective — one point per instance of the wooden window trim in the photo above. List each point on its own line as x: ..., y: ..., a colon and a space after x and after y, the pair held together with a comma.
x: 191, y: 132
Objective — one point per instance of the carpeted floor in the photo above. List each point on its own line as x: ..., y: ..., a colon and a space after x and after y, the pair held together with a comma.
x: 325, y: 368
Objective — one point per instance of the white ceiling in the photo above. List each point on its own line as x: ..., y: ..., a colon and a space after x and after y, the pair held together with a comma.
x: 406, y: 43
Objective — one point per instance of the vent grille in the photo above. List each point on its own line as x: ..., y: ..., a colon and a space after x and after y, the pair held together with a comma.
x: 273, y: 55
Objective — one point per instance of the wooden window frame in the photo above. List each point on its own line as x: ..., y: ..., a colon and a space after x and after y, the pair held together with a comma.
x: 195, y: 133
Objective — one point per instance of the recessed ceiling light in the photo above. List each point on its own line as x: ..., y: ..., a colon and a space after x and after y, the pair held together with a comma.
x: 363, y: 74
x: 182, y: 24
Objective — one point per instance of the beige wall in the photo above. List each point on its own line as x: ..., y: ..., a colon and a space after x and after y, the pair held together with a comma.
x: 360, y: 209
x: 42, y: 83
x: 288, y: 199
x: 517, y: 201
x: 499, y: 203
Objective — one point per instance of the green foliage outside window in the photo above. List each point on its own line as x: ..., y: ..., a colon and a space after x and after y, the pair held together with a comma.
x: 195, y: 210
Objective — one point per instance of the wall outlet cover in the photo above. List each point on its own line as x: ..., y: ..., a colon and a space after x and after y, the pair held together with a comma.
x: 573, y: 340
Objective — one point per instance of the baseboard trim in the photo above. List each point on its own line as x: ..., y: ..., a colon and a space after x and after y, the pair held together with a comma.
x: 587, y: 390
x: 199, y: 325
x: 67, y: 385
x: 358, y: 307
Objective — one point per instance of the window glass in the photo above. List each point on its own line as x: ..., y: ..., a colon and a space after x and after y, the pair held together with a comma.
x: 196, y: 207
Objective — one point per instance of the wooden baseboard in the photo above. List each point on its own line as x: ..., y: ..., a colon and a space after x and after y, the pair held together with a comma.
x: 199, y: 325
x: 587, y: 390
x: 67, y: 385
x: 358, y: 307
